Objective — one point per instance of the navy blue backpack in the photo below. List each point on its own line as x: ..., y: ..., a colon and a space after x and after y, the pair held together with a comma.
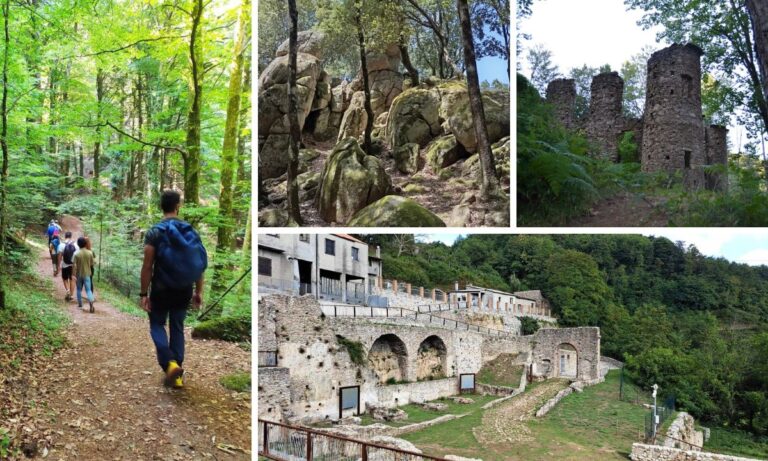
x: 180, y: 257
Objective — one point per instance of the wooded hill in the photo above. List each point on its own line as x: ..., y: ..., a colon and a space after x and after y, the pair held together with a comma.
x: 695, y: 325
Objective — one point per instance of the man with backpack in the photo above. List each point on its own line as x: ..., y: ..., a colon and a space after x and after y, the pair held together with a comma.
x: 83, y: 268
x: 174, y: 262
x: 53, y: 249
x: 66, y: 251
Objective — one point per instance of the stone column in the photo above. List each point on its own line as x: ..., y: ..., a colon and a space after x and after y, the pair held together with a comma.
x: 343, y: 287
x: 421, y: 292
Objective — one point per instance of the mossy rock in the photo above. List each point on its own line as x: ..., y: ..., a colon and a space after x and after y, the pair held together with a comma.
x: 443, y: 152
x: 408, y: 158
x: 235, y: 329
x: 413, y: 118
x: 395, y: 211
x: 413, y: 188
x: 350, y: 181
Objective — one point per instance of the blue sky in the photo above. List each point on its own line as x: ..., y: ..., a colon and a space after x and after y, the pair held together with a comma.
x: 749, y: 246
x: 492, y: 68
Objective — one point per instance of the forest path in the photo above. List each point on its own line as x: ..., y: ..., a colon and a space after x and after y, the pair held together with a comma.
x: 104, y: 398
x: 624, y: 210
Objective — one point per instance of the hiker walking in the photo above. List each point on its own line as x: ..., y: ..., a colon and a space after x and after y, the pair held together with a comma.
x: 66, y: 251
x: 53, y: 244
x: 84, y: 263
x: 174, y: 261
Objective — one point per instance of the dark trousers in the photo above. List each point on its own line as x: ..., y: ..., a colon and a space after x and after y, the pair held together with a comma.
x: 169, y: 305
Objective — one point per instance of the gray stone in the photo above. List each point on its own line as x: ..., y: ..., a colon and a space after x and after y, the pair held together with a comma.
x: 408, y: 158
x: 463, y: 400
x: 308, y: 41
x: 387, y: 414
x: 350, y: 181
x: 395, y: 211
x: 443, y: 152
x: 434, y: 406
x: 413, y: 118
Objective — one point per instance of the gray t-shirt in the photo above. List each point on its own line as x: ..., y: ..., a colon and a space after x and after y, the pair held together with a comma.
x: 63, y: 245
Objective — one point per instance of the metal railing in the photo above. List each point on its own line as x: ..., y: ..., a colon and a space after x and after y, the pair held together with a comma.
x: 334, y: 310
x: 267, y: 358
x: 282, y: 442
x: 663, y: 412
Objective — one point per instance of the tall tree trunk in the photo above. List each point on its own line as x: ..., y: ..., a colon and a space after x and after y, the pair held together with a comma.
x: 4, y: 147
x: 293, y: 117
x: 243, y: 182
x: 758, y: 14
x: 100, y: 77
x: 52, y: 141
x: 490, y: 183
x: 80, y: 159
x: 225, y: 234
x: 247, y: 239
x: 413, y: 73
x: 192, y: 156
x: 366, y: 82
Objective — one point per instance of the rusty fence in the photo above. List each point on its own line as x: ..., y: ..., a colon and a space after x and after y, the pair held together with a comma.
x: 282, y: 442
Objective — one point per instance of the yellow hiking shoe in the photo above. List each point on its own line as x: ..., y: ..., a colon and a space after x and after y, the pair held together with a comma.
x: 178, y: 383
x: 173, y: 373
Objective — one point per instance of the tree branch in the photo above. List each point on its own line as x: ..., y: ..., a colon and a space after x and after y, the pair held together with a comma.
x: 140, y: 141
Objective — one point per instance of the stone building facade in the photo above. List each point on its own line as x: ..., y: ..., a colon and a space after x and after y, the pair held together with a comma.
x: 405, y: 360
x: 671, y: 136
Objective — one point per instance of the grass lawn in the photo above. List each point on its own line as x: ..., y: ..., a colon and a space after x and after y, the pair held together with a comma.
x: 417, y: 414
x: 737, y: 443
x: 592, y: 425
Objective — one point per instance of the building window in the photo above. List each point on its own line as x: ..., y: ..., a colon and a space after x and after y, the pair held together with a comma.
x: 330, y: 247
x: 355, y: 254
x: 304, y: 238
x: 265, y: 266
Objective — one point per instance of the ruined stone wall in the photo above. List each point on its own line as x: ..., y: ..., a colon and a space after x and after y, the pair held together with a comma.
x: 605, y: 121
x: 586, y: 341
x: 317, y: 364
x: 422, y: 391
x: 673, y: 133
x: 682, y: 433
x: 273, y: 398
x: 643, y: 452
x: 561, y: 94
x: 716, y: 137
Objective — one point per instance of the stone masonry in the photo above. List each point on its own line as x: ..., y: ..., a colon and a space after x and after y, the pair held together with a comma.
x: 643, y: 452
x: 671, y: 136
x: 605, y: 121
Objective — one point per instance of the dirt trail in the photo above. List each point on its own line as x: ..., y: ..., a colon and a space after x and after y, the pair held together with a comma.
x: 104, y: 398
x: 624, y: 210
x: 505, y: 423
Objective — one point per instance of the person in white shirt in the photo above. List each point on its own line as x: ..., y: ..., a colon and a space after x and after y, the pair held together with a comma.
x: 67, y: 250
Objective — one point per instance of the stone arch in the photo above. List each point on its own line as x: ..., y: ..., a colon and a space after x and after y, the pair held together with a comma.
x: 567, y: 361
x: 431, y: 359
x: 388, y: 358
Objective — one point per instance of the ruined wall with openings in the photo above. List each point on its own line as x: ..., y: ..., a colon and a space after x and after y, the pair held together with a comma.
x: 716, y: 137
x: 547, y: 349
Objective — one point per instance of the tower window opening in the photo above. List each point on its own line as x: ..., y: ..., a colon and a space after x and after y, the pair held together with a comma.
x: 687, y: 159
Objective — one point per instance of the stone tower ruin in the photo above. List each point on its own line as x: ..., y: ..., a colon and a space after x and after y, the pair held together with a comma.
x: 673, y: 133
x: 561, y: 94
x: 605, y: 121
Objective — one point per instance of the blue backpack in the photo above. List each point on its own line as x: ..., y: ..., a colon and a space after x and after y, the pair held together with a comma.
x: 180, y: 257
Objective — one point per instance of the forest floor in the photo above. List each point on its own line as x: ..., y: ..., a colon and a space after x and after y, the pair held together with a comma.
x: 624, y: 210
x: 440, y: 196
x: 101, y: 396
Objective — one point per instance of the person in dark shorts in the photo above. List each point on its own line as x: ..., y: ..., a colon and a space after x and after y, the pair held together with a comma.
x: 67, y: 250
x: 174, y: 264
x: 84, y: 262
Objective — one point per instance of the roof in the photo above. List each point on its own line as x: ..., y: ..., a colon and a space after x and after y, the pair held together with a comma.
x: 350, y: 238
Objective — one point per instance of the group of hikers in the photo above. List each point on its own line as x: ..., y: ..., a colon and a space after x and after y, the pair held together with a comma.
x: 72, y: 257
x: 172, y: 277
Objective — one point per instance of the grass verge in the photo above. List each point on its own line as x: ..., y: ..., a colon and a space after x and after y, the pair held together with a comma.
x: 417, y: 414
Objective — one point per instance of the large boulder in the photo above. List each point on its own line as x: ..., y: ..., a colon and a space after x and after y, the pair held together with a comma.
x: 408, y: 159
x: 395, y: 211
x: 457, y: 114
x: 501, y: 160
x: 355, y: 118
x: 413, y: 117
x: 350, y: 181
x: 308, y: 41
x: 273, y: 109
x: 444, y: 152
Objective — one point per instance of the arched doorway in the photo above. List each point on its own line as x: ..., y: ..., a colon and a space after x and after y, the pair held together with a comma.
x: 431, y: 359
x: 388, y: 358
x: 567, y: 361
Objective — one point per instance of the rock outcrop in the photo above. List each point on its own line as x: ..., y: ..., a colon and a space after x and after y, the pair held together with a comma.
x: 395, y: 211
x: 350, y: 181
